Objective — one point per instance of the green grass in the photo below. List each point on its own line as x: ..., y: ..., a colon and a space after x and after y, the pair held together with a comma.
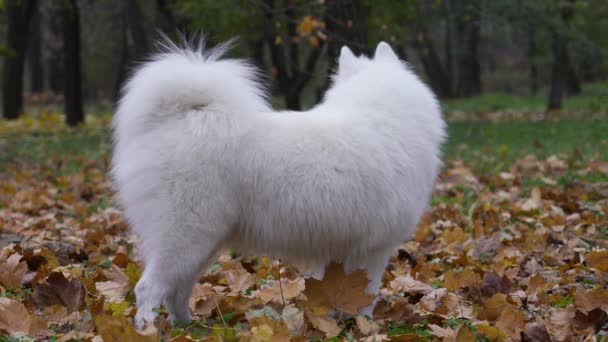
x: 73, y: 147
x: 494, y: 146
x: 593, y: 99
x: 486, y: 146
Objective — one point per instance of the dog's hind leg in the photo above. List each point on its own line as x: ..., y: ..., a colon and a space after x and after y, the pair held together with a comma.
x: 374, y: 264
x: 171, y: 272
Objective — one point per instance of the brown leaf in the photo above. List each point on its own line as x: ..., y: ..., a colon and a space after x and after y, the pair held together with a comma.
x: 537, y: 332
x: 560, y: 325
x: 58, y: 290
x: 410, y: 285
x: 238, y: 279
x: 494, y: 306
x: 12, y: 271
x: 338, y: 290
x: 14, y: 318
x: 112, y: 328
x: 455, y: 280
x: 598, y: 260
x: 367, y: 327
x: 492, y: 333
x: 294, y: 319
x: 589, y: 300
x: 446, y: 333
x: 325, y: 324
x: 493, y: 284
x: 511, y: 322
x: 465, y: 334
x: 288, y: 290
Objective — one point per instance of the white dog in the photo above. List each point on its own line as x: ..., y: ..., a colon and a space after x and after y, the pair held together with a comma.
x: 202, y: 163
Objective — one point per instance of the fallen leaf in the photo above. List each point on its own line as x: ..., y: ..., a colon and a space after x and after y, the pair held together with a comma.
x: 112, y: 328
x: 593, y: 299
x: 338, y: 291
x: 410, y: 285
x: 12, y: 271
x: 366, y: 326
x: 57, y: 289
x: 455, y: 280
x: 325, y: 324
x: 14, y: 318
x: 598, y: 260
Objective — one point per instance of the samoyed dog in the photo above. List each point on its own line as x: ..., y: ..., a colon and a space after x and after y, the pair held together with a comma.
x: 202, y: 163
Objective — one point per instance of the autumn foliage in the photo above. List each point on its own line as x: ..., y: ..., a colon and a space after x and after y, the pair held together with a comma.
x: 508, y: 256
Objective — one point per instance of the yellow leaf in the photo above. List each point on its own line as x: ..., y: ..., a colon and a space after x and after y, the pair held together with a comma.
x: 133, y: 273
x: 492, y: 333
x: 112, y: 328
x: 305, y: 26
x: 313, y: 41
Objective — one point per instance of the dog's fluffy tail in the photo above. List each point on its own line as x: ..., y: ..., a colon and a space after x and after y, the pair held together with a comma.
x: 185, y: 78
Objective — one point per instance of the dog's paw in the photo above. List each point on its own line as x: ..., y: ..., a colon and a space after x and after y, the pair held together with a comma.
x: 144, y: 318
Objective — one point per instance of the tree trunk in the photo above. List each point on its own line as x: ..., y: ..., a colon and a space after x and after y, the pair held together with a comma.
x: 292, y: 74
x: 136, y: 33
x: 557, y: 75
x: 55, y: 48
x: 439, y: 79
x: 346, y: 24
x: 532, y: 53
x: 121, y: 70
x: 19, y: 14
x: 573, y: 82
x: 71, y: 40
x: 563, y: 74
x: 448, y: 42
x: 469, y: 80
x: 34, y: 54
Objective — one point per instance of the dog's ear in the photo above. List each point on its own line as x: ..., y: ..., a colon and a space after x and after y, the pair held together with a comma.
x: 346, y: 57
x: 384, y: 52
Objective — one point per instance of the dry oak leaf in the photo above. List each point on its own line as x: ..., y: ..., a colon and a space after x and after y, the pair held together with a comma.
x: 265, y: 329
x: 465, y: 334
x: 494, y: 306
x: 492, y: 333
x: 112, y: 291
x: 57, y: 289
x: 12, y: 272
x: 455, y: 280
x: 112, y: 328
x: 288, y: 289
x: 238, y: 279
x: 589, y: 300
x: 328, y: 325
x: 339, y: 291
x: 560, y: 324
x: 294, y: 319
x: 445, y: 333
x: 598, y: 260
x: 410, y: 285
x: 511, y: 322
x: 445, y: 304
x: 366, y: 326
x: 14, y: 318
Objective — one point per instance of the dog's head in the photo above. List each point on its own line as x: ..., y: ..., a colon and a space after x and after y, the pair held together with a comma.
x: 350, y: 65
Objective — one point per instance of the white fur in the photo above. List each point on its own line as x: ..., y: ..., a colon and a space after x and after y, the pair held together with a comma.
x: 202, y: 163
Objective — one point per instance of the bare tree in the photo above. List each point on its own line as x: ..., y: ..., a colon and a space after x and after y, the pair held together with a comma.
x: 34, y: 53
x: 19, y: 14
x: 72, y: 63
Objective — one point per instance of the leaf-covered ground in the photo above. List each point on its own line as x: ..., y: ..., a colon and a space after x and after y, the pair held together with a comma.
x: 513, y: 247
